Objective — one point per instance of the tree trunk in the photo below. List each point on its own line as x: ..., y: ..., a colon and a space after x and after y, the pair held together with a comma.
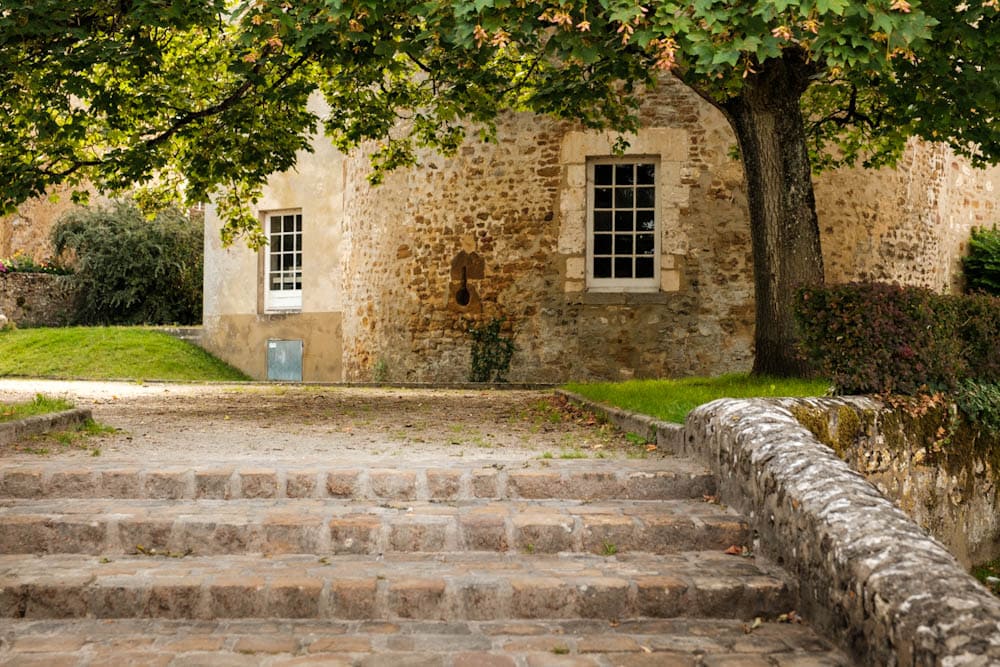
x: 767, y: 119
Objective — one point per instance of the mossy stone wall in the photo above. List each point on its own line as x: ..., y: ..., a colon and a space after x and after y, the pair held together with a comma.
x: 944, y: 477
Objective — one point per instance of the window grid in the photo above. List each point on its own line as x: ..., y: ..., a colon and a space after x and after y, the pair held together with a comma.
x: 283, y: 261
x: 285, y: 252
x: 623, y: 223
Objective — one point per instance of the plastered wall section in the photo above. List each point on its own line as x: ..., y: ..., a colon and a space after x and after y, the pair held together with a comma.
x: 517, y: 204
x: 236, y: 327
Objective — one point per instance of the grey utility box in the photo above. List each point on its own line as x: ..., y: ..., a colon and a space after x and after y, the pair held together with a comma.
x: 284, y: 360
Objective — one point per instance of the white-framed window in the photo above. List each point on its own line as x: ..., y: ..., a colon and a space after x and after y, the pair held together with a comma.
x: 623, y: 244
x: 283, y: 261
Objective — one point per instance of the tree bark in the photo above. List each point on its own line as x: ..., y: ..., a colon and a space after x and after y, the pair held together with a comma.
x: 767, y: 119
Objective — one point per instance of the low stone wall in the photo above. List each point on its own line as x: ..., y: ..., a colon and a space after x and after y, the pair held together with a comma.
x: 944, y: 487
x: 37, y: 424
x: 36, y: 299
x: 868, y: 575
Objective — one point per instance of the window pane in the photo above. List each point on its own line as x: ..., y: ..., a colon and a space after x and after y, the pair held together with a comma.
x: 287, y: 261
x: 602, y: 221
x: 602, y: 244
x: 645, y: 197
x: 602, y: 267
x: 623, y: 221
x: 275, y: 281
x: 289, y: 225
x: 602, y: 197
x: 275, y: 224
x: 623, y: 197
x: 644, y: 244
x: 275, y: 262
x: 602, y: 174
x: 298, y: 242
x: 298, y: 223
x: 644, y: 221
x: 624, y: 174
x: 647, y: 174
x: 298, y: 260
x: 643, y: 267
x: 623, y: 267
x: 623, y: 244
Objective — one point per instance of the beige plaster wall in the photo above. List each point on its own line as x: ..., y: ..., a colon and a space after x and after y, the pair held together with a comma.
x: 235, y: 324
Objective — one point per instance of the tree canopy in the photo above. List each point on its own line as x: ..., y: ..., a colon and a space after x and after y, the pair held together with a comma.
x: 211, y: 98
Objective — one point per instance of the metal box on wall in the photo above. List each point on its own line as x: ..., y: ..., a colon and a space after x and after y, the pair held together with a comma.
x: 284, y: 360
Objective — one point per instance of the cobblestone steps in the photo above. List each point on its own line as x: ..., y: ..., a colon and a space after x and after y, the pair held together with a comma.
x: 431, y: 587
x: 266, y: 643
x: 462, y: 563
x: 205, y: 527
x: 535, y: 479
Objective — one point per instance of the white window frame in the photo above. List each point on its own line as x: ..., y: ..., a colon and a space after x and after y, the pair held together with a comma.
x: 612, y: 284
x: 288, y: 296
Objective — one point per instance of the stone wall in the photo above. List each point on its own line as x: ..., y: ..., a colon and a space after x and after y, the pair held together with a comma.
x: 391, y: 258
x: 517, y: 205
x: 953, y: 497
x: 29, y: 229
x: 867, y: 574
x: 36, y: 299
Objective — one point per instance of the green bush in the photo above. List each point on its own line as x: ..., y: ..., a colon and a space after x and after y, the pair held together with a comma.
x: 491, y: 352
x: 982, y: 265
x: 132, y: 270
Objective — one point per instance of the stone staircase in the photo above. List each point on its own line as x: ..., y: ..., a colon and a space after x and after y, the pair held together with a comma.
x: 549, y: 562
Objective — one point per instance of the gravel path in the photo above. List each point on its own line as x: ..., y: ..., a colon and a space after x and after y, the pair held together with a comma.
x: 166, y: 422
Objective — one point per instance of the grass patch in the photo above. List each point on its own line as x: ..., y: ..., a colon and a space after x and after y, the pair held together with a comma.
x: 107, y: 353
x: 989, y: 575
x: 80, y: 437
x: 41, y: 405
x: 672, y: 400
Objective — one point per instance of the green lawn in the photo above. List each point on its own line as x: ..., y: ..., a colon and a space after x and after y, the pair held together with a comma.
x: 672, y: 400
x: 107, y: 353
x: 39, y: 406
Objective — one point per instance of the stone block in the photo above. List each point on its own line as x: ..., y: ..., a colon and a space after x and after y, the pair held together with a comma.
x: 121, y: 483
x: 602, y: 597
x: 353, y: 598
x: 238, y: 597
x: 74, y: 484
x: 661, y: 596
x: 418, y: 534
x: 354, y: 534
x: 214, y: 484
x: 167, y: 484
x: 543, y: 532
x: 288, y: 535
x: 258, y: 483
x: 484, y: 483
x: 422, y: 598
x: 483, y: 600
x: 444, y: 484
x: 535, y: 484
x: 483, y: 531
x: 393, y: 484
x: 22, y: 484
x: 266, y: 644
x: 542, y: 597
x: 610, y: 534
x: 302, y: 484
x: 342, y: 483
x: 176, y: 599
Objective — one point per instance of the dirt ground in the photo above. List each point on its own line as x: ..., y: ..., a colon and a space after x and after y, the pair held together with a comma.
x: 167, y: 422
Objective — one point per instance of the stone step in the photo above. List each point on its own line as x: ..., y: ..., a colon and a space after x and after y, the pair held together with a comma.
x: 643, y: 479
x: 470, y: 586
x: 546, y: 643
x: 205, y: 527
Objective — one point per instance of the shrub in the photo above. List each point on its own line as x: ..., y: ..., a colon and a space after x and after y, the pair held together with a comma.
x: 982, y: 265
x: 879, y: 338
x: 977, y: 319
x: 132, y: 270
x: 491, y: 352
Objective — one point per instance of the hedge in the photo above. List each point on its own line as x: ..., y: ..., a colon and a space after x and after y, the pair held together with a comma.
x: 876, y: 338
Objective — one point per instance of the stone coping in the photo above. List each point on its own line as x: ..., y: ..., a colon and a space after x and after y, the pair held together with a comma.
x: 13, y: 431
x: 868, y: 576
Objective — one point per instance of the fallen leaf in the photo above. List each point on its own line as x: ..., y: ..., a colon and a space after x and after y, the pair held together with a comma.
x: 734, y: 550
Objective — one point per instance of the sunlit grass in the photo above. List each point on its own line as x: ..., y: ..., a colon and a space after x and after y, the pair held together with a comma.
x: 107, y: 353
x: 40, y: 405
x: 672, y: 400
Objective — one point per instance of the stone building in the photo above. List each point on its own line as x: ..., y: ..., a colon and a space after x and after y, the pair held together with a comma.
x: 602, y: 266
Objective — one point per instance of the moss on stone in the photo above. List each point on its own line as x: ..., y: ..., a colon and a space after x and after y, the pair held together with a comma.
x: 815, y: 421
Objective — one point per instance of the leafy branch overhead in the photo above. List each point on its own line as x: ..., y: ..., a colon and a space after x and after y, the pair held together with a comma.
x: 147, y: 91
